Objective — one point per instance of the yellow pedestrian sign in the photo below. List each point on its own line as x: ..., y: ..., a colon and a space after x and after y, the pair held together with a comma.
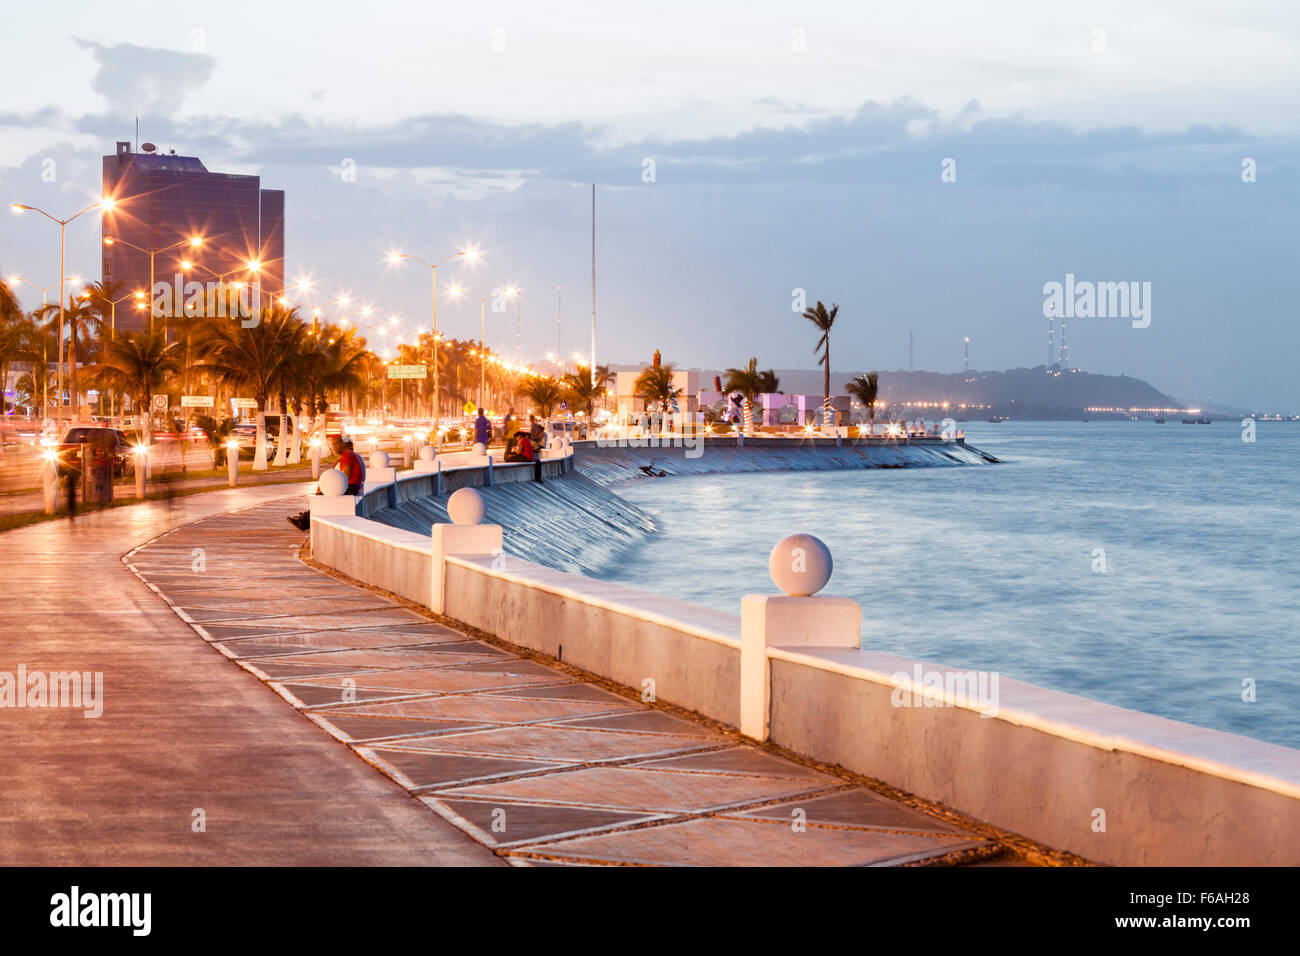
x: 469, y: 408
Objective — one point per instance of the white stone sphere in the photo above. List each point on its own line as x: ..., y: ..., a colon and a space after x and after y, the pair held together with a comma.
x: 333, y: 482
x: 800, y: 565
x: 428, y: 453
x: 379, y: 459
x: 479, y: 448
x: 466, y: 506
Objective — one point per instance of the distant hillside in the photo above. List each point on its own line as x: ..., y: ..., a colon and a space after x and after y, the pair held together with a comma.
x: 1037, y: 392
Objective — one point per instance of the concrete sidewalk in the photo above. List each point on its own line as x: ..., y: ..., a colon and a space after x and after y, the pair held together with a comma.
x: 184, y: 734
x: 535, y: 764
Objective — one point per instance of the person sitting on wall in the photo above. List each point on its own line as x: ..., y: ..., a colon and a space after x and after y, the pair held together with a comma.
x: 353, y: 467
x: 524, y: 451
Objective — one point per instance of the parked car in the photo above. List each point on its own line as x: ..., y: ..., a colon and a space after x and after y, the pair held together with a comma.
x: 246, y: 435
x: 9, y: 435
x: 69, y: 449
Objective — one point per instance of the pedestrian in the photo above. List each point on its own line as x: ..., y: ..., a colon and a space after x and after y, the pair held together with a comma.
x: 507, y: 427
x: 482, y: 429
x: 536, y: 433
x: 353, y: 467
x: 524, y: 451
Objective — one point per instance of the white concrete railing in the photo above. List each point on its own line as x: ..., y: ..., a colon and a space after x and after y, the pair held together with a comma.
x: 1112, y: 785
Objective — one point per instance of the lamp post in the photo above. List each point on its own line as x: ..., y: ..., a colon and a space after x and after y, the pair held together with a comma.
x: 112, y: 330
x: 106, y: 204
x: 193, y: 242
x: 395, y: 258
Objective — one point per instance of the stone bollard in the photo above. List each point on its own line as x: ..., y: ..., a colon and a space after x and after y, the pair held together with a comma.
x: 406, y: 451
x: 232, y: 463
x: 50, y: 481
x: 465, y: 535
x: 800, y: 566
x: 315, y: 458
x: 332, y: 500
x: 141, y: 469
x: 379, y: 471
x: 427, y: 460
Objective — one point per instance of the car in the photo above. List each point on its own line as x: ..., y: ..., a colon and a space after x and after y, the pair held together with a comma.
x: 9, y: 435
x: 69, y: 449
x: 246, y: 436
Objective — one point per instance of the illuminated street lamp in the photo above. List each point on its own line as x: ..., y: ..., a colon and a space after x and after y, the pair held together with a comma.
x: 395, y: 258
x: 193, y: 242
x: 105, y: 204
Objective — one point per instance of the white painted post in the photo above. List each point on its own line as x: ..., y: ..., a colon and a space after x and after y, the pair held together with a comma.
x: 466, y: 535
x: 141, y: 469
x: 232, y: 462
x: 800, y: 566
x: 50, y: 475
x: 315, y: 459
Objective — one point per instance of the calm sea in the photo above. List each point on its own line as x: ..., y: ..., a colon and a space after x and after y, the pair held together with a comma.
x: 1149, y: 566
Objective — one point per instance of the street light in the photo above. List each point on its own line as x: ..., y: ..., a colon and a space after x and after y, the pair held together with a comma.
x: 193, y: 242
x: 395, y: 258
x: 105, y: 204
x: 112, y: 326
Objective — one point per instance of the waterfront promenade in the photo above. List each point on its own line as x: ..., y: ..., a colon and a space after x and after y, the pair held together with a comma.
x: 181, y: 729
x: 317, y: 722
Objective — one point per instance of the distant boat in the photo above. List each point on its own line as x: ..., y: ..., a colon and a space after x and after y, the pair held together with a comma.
x: 1203, y: 421
x: 997, y: 418
x: 1159, y: 420
x: 1189, y: 421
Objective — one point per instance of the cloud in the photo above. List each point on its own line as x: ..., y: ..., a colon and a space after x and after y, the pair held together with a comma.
x: 135, y: 79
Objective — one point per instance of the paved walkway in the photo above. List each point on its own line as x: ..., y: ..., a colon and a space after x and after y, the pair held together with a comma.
x: 533, y: 764
x: 182, y: 730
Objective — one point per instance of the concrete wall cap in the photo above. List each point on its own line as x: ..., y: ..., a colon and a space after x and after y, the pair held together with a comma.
x: 333, y: 482
x: 428, y: 453
x: 800, y: 565
x: 466, y: 506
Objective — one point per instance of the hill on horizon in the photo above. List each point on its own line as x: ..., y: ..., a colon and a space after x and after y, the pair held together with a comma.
x: 1038, y: 392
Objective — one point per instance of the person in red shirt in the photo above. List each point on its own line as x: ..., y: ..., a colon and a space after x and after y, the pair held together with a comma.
x: 524, y: 451
x: 350, y: 464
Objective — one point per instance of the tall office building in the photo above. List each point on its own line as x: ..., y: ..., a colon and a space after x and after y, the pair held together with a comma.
x: 163, y: 201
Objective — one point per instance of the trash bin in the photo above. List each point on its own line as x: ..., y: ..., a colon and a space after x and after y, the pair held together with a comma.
x: 96, y: 473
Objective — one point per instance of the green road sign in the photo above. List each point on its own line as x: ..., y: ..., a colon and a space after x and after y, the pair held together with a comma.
x: 408, y: 371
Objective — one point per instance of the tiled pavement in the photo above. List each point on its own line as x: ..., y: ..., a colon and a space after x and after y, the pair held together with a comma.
x: 536, y: 765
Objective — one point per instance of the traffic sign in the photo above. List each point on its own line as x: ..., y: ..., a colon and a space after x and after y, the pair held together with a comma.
x: 160, y: 403
x: 243, y: 403
x: 197, y: 401
x: 408, y: 371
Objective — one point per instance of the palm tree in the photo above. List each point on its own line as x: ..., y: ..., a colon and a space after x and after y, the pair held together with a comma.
x: 866, y: 388
x: 750, y: 383
x: 137, y: 364
x: 544, y: 392
x: 604, y: 379
x: 582, y: 390
x: 17, y: 334
x: 655, y: 384
x: 78, y: 318
x: 256, y: 358
x: 823, y: 318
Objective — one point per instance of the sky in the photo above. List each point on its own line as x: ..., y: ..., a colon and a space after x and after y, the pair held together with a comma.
x: 928, y: 167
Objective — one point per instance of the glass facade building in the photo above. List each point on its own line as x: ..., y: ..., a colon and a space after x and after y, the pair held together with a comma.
x: 164, y: 200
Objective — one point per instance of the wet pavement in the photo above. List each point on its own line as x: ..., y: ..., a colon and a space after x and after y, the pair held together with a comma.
x: 534, y: 764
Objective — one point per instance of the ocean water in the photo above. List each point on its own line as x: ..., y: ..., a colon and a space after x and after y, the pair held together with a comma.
x: 1000, y: 567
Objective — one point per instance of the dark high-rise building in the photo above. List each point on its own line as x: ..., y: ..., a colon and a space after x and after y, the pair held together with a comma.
x: 163, y: 202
